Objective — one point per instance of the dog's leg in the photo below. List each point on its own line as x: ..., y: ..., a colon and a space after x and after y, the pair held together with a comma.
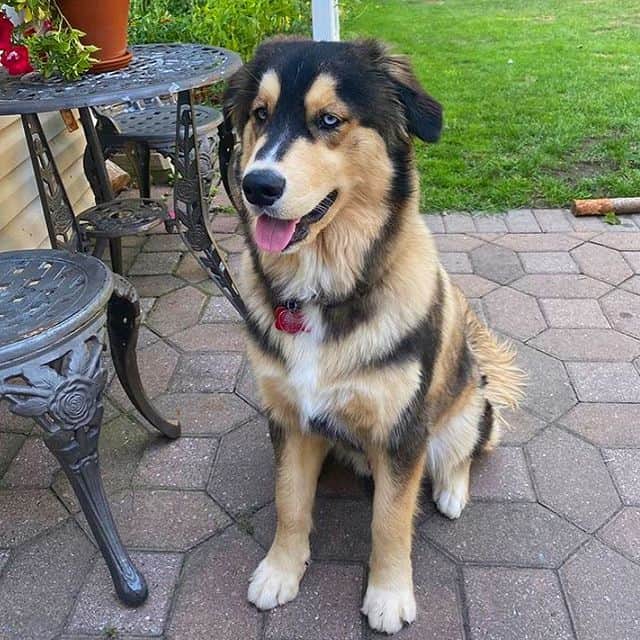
x: 299, y: 458
x: 389, y: 601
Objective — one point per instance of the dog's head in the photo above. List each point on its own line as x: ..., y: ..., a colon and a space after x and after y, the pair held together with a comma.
x: 323, y: 126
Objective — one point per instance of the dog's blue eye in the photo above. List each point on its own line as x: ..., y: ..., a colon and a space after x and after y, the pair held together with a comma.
x: 261, y: 114
x: 329, y: 121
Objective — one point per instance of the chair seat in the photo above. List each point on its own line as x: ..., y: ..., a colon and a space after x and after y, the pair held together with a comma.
x: 46, y: 295
x: 157, y: 125
x: 118, y: 218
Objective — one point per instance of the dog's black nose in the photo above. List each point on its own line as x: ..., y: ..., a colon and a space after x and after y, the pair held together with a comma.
x: 263, y: 187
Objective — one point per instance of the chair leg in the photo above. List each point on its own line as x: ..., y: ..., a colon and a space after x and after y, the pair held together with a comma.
x: 123, y: 322
x: 143, y: 162
x: 115, y: 250
x: 66, y: 401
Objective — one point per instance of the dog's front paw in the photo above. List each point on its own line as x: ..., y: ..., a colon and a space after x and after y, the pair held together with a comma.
x: 387, y: 610
x: 451, y: 503
x: 271, y: 585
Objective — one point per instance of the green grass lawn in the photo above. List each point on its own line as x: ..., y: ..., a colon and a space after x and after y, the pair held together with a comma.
x: 541, y: 97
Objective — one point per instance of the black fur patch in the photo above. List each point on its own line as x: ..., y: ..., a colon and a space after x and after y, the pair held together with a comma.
x: 484, y: 428
x: 329, y: 428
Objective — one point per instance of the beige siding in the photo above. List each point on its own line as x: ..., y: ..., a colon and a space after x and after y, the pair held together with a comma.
x: 21, y: 220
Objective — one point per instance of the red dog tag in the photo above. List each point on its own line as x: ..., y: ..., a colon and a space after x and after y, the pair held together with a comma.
x: 289, y: 321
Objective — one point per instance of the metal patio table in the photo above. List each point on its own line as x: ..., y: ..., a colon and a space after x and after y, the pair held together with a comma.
x: 53, y: 309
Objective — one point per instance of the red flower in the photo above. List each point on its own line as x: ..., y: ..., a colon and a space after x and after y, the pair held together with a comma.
x: 6, y: 31
x: 15, y: 59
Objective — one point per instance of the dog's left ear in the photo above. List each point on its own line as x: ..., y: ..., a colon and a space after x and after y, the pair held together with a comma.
x: 423, y: 113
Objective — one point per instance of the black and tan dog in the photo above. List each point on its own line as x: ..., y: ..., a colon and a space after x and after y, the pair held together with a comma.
x: 358, y: 339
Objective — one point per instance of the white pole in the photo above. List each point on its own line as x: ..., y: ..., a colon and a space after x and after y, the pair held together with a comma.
x: 324, y: 16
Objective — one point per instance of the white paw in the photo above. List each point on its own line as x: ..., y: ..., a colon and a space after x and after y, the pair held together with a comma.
x: 387, y: 610
x: 271, y: 585
x: 450, y: 503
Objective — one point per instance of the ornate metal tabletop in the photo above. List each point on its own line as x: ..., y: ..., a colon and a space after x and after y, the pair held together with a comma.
x: 156, y: 69
x: 46, y: 294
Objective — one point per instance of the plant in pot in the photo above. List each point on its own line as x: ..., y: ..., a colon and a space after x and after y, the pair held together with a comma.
x: 63, y: 37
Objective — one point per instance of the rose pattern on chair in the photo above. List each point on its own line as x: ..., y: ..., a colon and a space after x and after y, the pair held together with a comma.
x: 67, y: 400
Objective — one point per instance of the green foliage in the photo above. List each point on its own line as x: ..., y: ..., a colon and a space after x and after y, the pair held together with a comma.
x: 239, y: 25
x: 612, y: 218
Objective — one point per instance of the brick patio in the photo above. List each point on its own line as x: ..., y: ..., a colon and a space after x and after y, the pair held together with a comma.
x: 549, y: 547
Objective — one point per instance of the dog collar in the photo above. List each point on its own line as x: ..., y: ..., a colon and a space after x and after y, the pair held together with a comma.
x: 289, y: 317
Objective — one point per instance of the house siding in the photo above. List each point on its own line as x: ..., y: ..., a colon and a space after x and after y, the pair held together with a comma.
x: 22, y: 223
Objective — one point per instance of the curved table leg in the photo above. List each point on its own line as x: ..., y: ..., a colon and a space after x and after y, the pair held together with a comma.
x: 123, y: 323
x: 66, y: 401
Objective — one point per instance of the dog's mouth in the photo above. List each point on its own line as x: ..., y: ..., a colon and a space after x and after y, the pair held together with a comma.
x: 276, y: 235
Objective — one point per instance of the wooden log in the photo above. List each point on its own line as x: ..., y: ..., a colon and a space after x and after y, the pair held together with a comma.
x: 119, y: 178
x: 602, y: 206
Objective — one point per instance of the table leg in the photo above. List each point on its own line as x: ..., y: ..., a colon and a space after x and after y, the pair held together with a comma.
x: 97, y: 165
x: 190, y: 203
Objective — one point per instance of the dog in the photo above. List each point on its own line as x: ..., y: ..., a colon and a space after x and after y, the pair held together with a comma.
x: 358, y: 339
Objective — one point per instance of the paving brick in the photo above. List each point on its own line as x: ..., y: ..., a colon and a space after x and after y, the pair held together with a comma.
x: 179, y: 464
x: 496, y: 263
x: 243, y: 476
x: 27, y: 513
x: 515, y: 313
x: 153, y: 286
x: 38, y: 586
x: 434, y: 223
x: 624, y: 465
x: 490, y: 224
x: 508, y: 533
x: 601, y: 263
x: 121, y: 445
x: 164, y: 242
x: 177, y: 310
x: 553, y: 220
x: 620, y: 241
x: 522, y: 221
x: 219, y: 309
x: 571, y: 478
x: 211, y: 599
x: 456, y: 262
x: 4, y: 558
x: 587, y: 344
x: 247, y: 387
x: 606, y: 425
x: 10, y: 423
x: 589, y: 223
x: 623, y: 310
x: 512, y: 604
x: 623, y: 533
x: 98, y: 608
x: 456, y: 242
x: 458, y: 223
x: 521, y: 426
x: 602, y: 589
x: 211, y: 337
x: 190, y: 269
x: 605, y: 381
x: 548, y: 262
x: 539, y: 241
x: 548, y: 392
x: 33, y: 467
x: 223, y: 223
x: 156, y: 364
x: 151, y: 264
x: 10, y: 444
x: 234, y: 244
x: 340, y: 481
x: 473, y: 286
x: 577, y: 314
x: 633, y: 260
x: 501, y: 475
x: 203, y: 414
x: 566, y: 286
x: 206, y: 373
x: 632, y: 284
x: 166, y: 520
x: 477, y: 307
x: 326, y: 607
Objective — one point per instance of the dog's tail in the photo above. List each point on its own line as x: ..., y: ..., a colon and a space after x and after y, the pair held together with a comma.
x: 505, y: 381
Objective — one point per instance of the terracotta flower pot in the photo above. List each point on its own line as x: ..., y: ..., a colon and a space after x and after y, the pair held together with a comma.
x: 105, y: 22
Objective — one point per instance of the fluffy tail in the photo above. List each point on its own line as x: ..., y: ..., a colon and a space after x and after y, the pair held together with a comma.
x: 496, y: 359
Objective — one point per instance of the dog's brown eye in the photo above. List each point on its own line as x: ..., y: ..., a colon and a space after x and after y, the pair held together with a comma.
x: 261, y: 114
x: 328, y: 121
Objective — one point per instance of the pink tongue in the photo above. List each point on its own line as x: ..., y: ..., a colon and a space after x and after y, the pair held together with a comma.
x: 272, y: 234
